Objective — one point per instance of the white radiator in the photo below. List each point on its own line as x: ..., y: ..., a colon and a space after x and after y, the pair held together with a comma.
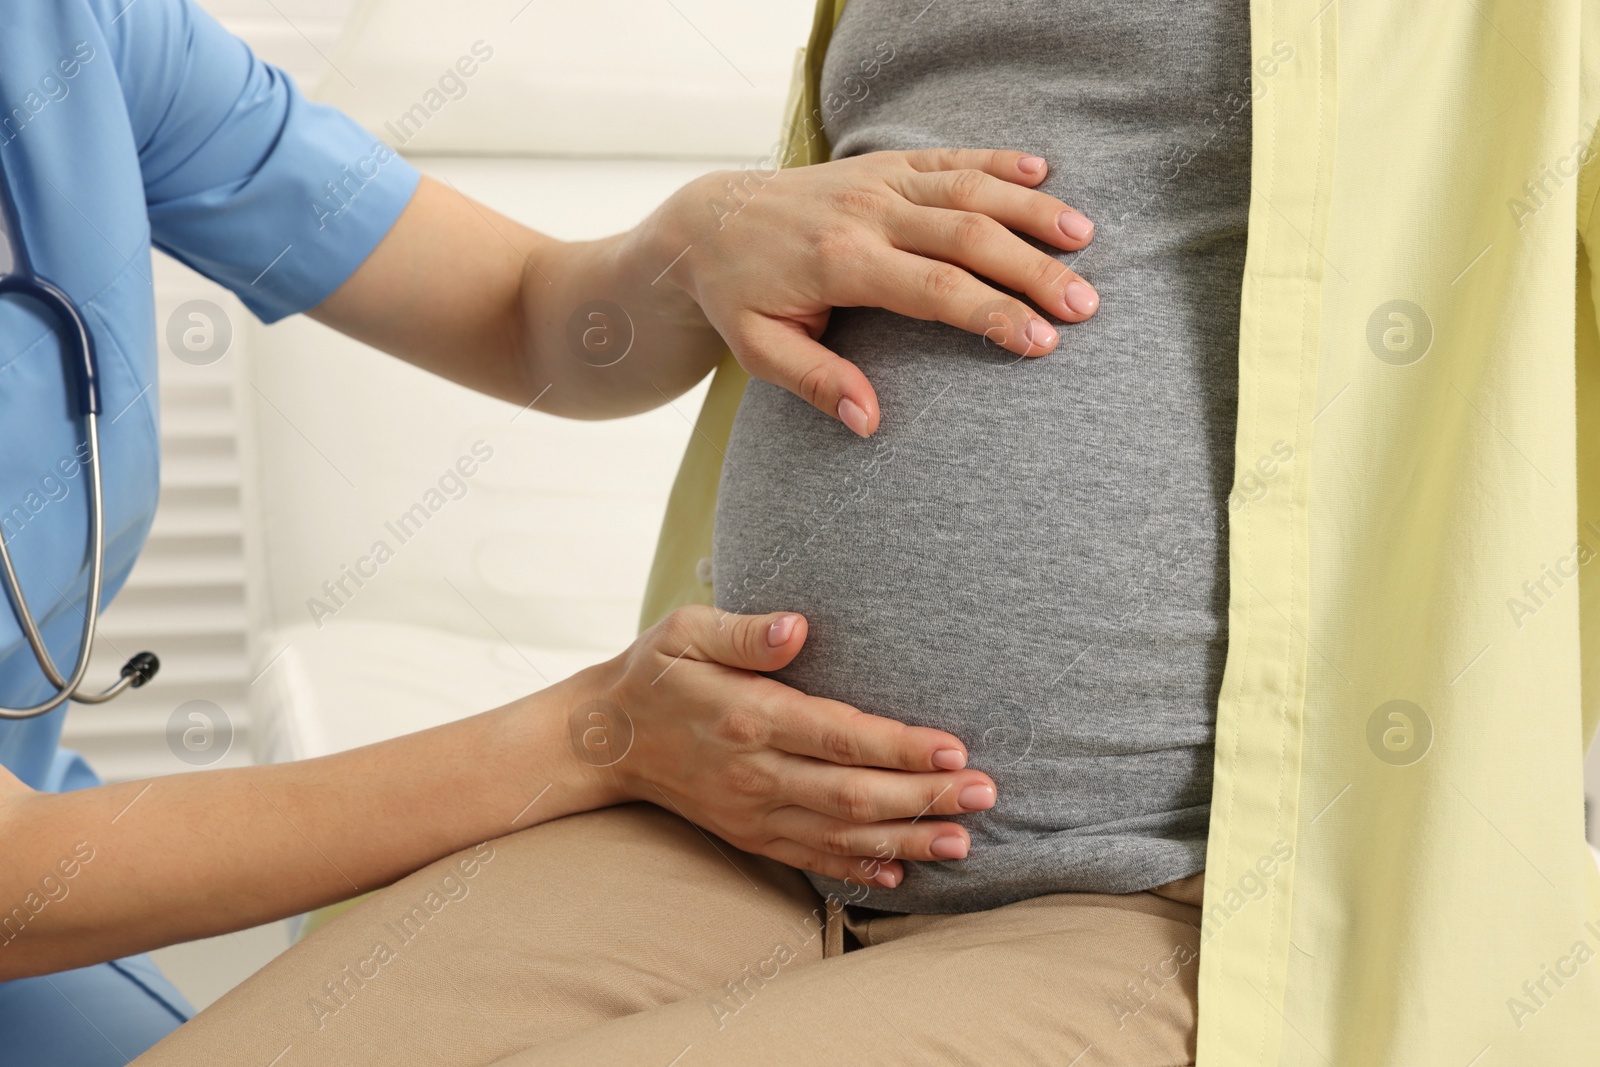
x: 185, y: 600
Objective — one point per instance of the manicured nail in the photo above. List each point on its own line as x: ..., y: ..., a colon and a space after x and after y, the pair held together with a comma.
x: 1031, y: 165
x: 1081, y: 298
x: 851, y: 415
x: 949, y: 848
x: 780, y: 631
x: 949, y: 759
x: 976, y: 797
x: 886, y: 878
x: 1040, y: 335
x: 1075, y: 226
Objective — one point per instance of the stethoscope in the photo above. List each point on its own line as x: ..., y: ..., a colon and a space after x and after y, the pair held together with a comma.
x: 79, y: 342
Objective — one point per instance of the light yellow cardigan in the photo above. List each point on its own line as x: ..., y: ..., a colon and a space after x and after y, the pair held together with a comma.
x: 1397, y: 869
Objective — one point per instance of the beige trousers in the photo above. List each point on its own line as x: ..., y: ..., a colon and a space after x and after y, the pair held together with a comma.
x: 628, y: 936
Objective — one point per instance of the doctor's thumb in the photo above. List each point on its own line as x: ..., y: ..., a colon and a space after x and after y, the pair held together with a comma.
x: 755, y: 642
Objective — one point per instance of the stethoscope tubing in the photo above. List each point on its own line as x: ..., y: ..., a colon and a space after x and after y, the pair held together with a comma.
x: 24, y: 282
x: 67, y: 688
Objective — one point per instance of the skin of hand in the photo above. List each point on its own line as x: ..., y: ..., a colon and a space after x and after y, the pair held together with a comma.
x: 770, y: 254
x: 101, y: 873
x: 598, y: 329
x: 810, y: 782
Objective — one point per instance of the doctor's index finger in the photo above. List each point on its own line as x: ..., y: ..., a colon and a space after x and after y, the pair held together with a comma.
x: 1028, y: 211
x: 1023, y: 168
x: 834, y: 731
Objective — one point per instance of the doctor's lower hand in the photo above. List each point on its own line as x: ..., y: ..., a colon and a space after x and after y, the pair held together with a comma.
x: 684, y: 720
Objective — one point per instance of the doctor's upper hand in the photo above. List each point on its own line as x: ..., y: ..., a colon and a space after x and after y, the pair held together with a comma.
x: 770, y: 254
x: 746, y: 260
x: 809, y: 782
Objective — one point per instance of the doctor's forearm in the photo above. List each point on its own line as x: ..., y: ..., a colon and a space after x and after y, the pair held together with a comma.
x: 605, y: 333
x: 171, y: 859
x: 581, y: 328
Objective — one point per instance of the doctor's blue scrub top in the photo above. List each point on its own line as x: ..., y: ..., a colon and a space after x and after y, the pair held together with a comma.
x: 126, y: 126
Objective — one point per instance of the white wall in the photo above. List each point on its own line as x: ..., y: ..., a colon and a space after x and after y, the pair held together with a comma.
x: 296, y: 35
x: 685, y: 78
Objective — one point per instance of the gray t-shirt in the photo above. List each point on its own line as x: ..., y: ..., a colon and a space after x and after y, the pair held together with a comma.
x: 1031, y: 554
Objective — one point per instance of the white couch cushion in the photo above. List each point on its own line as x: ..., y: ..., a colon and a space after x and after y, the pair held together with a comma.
x: 353, y: 683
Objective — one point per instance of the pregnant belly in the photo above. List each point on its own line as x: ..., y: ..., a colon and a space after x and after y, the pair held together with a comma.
x: 1016, y: 558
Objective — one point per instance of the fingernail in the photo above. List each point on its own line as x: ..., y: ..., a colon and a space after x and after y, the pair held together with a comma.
x: 1081, y: 298
x: 780, y: 631
x: 1031, y: 165
x: 1040, y: 335
x: 976, y: 797
x: 1075, y: 226
x: 949, y: 848
x: 887, y: 879
x: 949, y: 759
x: 851, y: 414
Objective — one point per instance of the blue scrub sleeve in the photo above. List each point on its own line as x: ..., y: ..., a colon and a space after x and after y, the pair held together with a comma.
x: 277, y: 198
x: 100, y: 1016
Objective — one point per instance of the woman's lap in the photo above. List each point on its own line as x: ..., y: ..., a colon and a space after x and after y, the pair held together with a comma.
x: 626, y: 935
x: 543, y: 932
x: 1046, y: 981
